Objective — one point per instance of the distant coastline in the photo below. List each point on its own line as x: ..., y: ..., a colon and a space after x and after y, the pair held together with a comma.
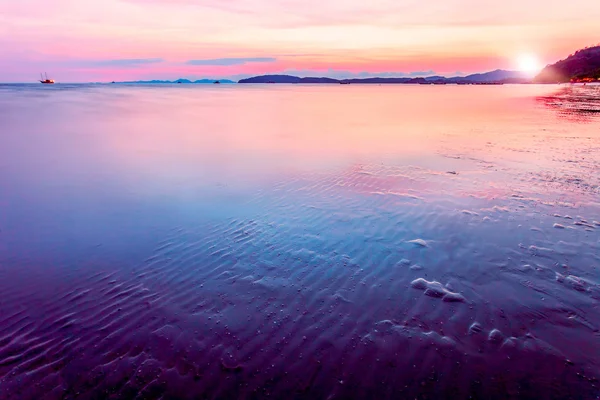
x: 492, y: 77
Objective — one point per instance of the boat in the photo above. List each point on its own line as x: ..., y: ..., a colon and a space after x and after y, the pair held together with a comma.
x: 46, y: 81
x: 344, y: 83
x: 217, y: 82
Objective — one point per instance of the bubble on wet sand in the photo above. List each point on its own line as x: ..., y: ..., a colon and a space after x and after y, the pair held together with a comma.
x: 437, y: 290
x: 419, y: 242
x: 540, y: 251
x: 475, y: 328
x: 584, y: 223
x: 419, y: 283
x: 495, y: 336
x: 576, y: 283
x: 452, y: 297
x: 468, y: 212
x: 510, y: 343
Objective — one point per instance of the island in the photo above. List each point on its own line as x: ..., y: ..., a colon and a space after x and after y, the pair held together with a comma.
x: 493, y: 77
x: 581, y: 66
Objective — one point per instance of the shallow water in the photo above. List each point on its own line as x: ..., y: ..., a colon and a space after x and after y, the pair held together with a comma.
x: 299, y: 241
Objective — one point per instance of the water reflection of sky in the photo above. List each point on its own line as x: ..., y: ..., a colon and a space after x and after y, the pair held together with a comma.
x: 105, y: 158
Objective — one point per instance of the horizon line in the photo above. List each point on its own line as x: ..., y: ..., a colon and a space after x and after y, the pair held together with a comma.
x: 301, y: 76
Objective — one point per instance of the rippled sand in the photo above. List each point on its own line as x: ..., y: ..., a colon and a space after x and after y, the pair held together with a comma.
x: 300, y: 242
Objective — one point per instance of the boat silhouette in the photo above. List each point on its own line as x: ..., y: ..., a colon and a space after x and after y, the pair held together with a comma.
x: 46, y: 81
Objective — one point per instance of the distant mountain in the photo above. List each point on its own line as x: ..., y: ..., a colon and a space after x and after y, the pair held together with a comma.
x: 435, y: 78
x: 318, y: 80
x: 498, y: 76
x: 187, y: 81
x: 581, y: 66
x: 213, y: 81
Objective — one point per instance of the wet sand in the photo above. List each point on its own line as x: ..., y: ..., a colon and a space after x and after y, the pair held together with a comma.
x: 450, y: 257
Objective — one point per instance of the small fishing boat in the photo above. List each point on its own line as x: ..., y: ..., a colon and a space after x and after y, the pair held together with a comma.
x: 46, y: 81
x: 216, y: 82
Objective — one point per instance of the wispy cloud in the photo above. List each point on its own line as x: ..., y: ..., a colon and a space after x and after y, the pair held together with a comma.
x: 232, y: 61
x: 303, y: 13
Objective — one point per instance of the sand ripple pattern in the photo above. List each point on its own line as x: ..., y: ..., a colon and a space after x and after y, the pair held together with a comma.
x: 361, y: 284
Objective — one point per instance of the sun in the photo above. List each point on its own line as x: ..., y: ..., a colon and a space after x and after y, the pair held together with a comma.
x: 529, y: 64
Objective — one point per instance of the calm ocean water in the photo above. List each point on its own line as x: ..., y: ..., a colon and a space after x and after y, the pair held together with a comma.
x: 299, y: 241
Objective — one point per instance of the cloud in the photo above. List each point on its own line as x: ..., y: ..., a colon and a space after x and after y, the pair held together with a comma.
x: 232, y: 61
x: 303, y: 13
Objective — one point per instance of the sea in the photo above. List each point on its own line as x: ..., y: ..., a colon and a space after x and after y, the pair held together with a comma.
x: 299, y: 241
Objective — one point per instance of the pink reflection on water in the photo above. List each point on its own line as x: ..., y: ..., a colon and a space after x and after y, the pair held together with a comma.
x: 190, y: 135
x: 232, y: 131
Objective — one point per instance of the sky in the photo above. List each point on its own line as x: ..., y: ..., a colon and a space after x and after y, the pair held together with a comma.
x: 118, y: 40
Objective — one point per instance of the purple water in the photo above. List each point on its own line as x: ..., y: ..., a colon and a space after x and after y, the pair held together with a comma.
x: 299, y: 241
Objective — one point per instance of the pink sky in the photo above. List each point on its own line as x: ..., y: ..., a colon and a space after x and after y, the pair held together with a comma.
x: 85, y: 40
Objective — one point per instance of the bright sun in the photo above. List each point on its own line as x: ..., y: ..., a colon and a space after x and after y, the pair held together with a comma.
x: 529, y: 64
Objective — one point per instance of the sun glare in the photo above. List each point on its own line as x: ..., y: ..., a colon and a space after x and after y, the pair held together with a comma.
x: 529, y: 64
